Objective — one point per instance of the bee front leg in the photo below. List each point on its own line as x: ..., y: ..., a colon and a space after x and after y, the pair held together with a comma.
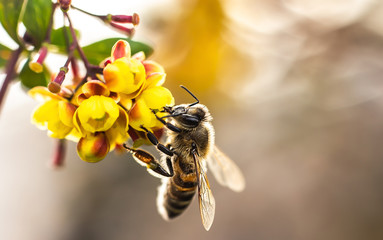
x: 146, y: 159
x: 153, y: 139
x: 168, y: 125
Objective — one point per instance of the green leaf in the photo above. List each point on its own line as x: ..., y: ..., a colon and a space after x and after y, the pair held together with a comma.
x: 98, y: 51
x: 31, y: 79
x: 11, y: 12
x: 5, y: 54
x: 36, y: 19
x: 58, y: 38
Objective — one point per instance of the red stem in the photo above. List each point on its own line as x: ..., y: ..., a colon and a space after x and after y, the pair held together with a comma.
x: 10, y: 70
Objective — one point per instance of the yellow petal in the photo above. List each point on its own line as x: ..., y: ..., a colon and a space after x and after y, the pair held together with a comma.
x: 118, y: 133
x: 56, y: 129
x: 124, y: 75
x: 78, y: 126
x: 98, y: 113
x: 74, y: 135
x: 66, y: 111
x: 155, y: 79
x: 157, y: 97
x: 95, y: 87
x: 152, y: 67
x: 43, y: 94
x: 46, y: 116
x: 141, y: 115
x: 126, y: 101
x: 93, y: 148
x: 139, y: 56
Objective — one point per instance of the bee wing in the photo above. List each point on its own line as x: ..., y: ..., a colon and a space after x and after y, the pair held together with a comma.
x: 225, y: 170
x: 205, y: 197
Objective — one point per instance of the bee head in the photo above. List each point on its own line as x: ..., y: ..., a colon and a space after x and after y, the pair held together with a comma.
x: 189, y: 116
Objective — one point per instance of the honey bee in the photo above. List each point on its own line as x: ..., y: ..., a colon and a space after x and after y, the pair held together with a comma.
x: 189, y: 149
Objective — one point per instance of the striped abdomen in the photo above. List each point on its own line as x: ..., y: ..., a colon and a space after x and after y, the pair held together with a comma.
x: 177, y: 192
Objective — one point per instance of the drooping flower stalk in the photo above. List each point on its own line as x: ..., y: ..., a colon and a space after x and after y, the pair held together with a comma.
x: 9, y: 73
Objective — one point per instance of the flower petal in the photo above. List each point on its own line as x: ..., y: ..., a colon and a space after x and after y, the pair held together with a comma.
x: 43, y: 94
x: 66, y: 111
x: 46, y: 116
x: 141, y: 115
x: 95, y: 87
x: 120, y: 49
x: 97, y: 113
x: 126, y: 101
x: 124, y: 75
x: 139, y: 56
x: 155, y: 79
x: 152, y: 67
x: 157, y: 97
x: 118, y: 133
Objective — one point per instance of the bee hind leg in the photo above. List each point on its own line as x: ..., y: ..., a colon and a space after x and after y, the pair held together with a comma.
x: 146, y: 159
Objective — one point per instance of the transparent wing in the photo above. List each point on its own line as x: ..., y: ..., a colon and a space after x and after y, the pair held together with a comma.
x: 225, y: 170
x: 205, y: 196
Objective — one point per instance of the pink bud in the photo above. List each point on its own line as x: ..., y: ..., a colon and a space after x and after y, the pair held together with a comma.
x: 120, y: 49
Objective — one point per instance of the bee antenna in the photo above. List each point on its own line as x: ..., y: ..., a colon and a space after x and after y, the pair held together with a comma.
x: 187, y: 90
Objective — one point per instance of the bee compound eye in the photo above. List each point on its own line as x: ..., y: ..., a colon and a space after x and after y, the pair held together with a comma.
x: 190, y: 121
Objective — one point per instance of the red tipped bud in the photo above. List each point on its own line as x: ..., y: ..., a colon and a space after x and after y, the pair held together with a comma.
x: 93, y: 148
x: 120, y: 49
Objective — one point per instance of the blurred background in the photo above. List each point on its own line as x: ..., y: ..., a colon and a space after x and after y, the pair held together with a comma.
x: 295, y: 89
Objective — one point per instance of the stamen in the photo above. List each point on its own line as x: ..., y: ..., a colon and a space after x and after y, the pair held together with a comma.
x: 134, y: 19
x: 37, y: 65
x: 129, y: 31
x: 55, y: 85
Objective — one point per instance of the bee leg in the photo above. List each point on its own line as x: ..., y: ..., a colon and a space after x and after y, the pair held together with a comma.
x: 168, y: 125
x: 153, y: 139
x: 170, y: 166
x: 150, y: 162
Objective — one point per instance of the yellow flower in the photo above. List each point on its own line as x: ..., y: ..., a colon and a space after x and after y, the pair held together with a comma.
x: 55, y: 114
x: 124, y: 74
x: 154, y: 98
x: 99, y: 113
x: 96, y: 114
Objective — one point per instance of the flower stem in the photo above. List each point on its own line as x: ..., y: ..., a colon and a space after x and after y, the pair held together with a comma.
x: 59, y: 154
x: 10, y: 70
x: 50, y: 25
x: 91, y: 70
x: 88, y: 13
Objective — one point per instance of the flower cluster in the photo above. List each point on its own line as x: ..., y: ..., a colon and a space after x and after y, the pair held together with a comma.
x: 99, y: 113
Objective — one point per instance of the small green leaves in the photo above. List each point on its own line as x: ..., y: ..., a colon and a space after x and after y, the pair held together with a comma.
x: 31, y: 79
x: 11, y: 13
x: 36, y: 19
x: 98, y: 51
x: 5, y: 54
